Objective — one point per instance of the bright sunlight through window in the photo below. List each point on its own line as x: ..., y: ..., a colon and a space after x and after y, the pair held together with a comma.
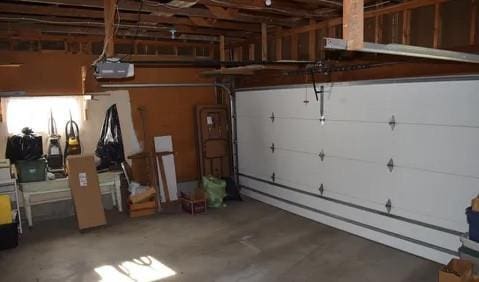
x: 34, y: 112
x: 144, y: 269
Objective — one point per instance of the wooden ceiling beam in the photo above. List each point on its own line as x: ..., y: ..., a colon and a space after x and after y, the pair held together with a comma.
x: 353, y: 23
x: 133, y: 6
x: 85, y: 38
x: 109, y: 24
x: 37, y: 30
x: 99, y: 24
x: 281, y: 8
x: 69, y: 12
x: 327, y: 3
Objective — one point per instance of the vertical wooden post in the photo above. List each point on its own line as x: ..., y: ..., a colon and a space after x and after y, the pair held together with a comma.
x: 378, y: 29
x: 251, y: 52
x: 294, y: 46
x: 406, y: 26
x: 264, y: 42
x: 279, y: 45
x: 109, y: 13
x: 222, y: 48
x: 473, y: 23
x: 312, y: 42
x: 353, y: 23
x: 437, y: 26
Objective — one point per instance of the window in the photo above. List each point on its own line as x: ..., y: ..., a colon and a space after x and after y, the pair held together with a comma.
x: 34, y: 112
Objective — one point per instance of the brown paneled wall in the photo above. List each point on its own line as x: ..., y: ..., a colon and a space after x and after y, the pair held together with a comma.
x: 168, y: 111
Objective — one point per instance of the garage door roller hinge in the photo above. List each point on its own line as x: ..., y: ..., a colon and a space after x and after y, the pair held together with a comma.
x: 389, y: 205
x: 321, y: 155
x: 392, y: 122
x: 321, y: 189
x: 390, y: 165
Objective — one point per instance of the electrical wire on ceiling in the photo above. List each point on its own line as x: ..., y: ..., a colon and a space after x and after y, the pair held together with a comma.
x: 173, y: 4
x: 140, y: 8
x: 106, y: 40
x: 81, y: 23
x: 377, y: 5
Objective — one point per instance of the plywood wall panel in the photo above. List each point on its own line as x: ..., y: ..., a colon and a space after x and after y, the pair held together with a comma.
x: 169, y: 111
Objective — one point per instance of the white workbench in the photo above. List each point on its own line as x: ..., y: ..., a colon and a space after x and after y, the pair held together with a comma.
x: 37, y: 193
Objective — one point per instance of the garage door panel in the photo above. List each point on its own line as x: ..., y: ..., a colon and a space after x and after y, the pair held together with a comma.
x: 298, y: 169
x: 436, y: 198
x: 345, y: 103
x: 409, y: 230
x: 370, y: 142
x: 257, y: 131
x: 300, y: 135
x: 442, y: 149
x: 363, y: 141
x: 433, y: 147
x: 255, y: 159
x: 351, y: 181
x: 437, y: 103
x: 361, y: 183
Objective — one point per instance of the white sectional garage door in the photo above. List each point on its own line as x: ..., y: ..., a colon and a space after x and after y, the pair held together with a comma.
x: 337, y: 173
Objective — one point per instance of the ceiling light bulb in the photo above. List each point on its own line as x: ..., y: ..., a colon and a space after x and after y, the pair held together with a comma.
x: 267, y: 3
x: 173, y: 31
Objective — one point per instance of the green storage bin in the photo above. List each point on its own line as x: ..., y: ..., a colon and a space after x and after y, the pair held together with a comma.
x: 31, y: 171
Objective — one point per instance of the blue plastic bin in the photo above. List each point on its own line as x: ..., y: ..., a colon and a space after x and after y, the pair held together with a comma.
x: 473, y: 220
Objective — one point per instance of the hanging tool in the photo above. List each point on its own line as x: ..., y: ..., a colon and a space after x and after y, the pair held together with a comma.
x: 72, y: 136
x: 54, y: 154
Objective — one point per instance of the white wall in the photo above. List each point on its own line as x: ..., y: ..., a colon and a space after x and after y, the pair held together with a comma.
x: 96, y: 110
x: 434, y: 146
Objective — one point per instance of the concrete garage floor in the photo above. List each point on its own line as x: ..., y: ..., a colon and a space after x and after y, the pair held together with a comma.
x: 247, y: 241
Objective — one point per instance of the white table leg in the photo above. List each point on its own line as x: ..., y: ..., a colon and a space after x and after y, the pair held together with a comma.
x: 113, y: 196
x: 118, y: 193
x: 28, y: 209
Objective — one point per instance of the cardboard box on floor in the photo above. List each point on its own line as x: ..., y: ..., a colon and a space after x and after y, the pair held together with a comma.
x: 457, y: 270
x: 85, y: 188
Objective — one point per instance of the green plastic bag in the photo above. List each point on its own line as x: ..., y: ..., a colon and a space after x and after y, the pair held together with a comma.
x: 215, y: 189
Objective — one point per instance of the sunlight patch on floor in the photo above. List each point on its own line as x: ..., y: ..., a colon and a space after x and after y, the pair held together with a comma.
x: 143, y: 269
